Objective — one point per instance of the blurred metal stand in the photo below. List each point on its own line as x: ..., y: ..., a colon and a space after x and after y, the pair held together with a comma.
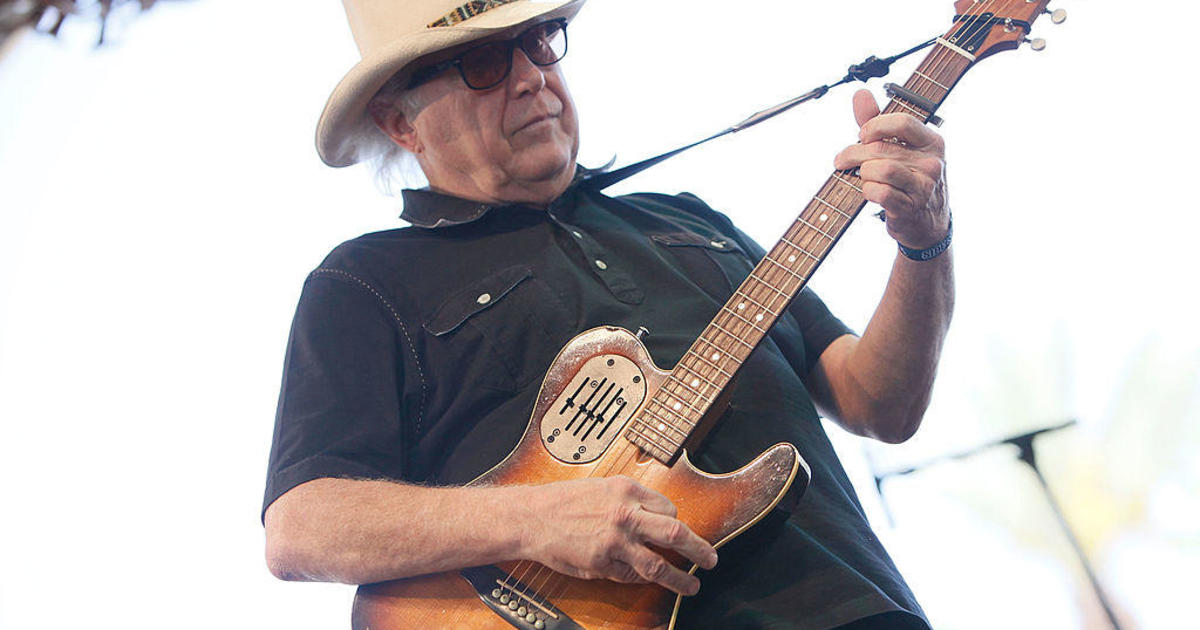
x: 1027, y: 454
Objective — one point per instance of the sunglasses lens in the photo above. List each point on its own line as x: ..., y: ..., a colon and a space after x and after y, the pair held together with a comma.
x: 545, y: 43
x: 487, y: 65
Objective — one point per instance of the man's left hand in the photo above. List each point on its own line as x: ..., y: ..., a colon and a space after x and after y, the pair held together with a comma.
x: 903, y: 167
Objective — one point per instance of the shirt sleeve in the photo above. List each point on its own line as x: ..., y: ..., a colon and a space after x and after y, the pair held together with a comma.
x: 339, y: 412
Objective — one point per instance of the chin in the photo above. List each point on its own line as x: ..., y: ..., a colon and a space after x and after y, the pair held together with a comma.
x: 544, y: 166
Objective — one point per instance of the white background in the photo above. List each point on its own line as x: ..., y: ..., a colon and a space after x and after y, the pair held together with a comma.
x: 161, y: 203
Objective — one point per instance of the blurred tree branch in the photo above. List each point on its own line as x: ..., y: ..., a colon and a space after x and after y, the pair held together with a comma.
x: 48, y: 16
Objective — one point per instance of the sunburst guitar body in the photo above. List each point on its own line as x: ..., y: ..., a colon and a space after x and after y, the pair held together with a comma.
x: 600, y: 381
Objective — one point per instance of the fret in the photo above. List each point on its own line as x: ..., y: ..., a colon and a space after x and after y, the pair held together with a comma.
x: 756, y: 302
x: 683, y: 383
x: 813, y: 227
x: 942, y: 41
x: 915, y: 111
x: 638, y: 427
x: 752, y: 324
x: 801, y: 249
x: 660, y: 425
x: 839, y: 178
x: 721, y: 353
x: 730, y: 334
x: 762, y: 282
x: 710, y: 364
x: 679, y: 400
x: 931, y: 80
x: 671, y: 418
x: 780, y: 265
x: 646, y: 445
x: 835, y: 208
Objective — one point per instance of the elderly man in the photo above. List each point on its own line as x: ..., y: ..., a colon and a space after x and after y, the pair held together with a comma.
x: 416, y: 354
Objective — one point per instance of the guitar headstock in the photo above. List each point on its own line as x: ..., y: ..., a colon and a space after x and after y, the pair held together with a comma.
x: 986, y: 27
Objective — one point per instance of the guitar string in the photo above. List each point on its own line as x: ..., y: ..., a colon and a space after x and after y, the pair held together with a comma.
x: 629, y: 451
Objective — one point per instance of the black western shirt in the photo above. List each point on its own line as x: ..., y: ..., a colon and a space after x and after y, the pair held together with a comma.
x: 416, y: 355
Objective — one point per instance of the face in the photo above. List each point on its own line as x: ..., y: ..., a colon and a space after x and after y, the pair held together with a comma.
x: 515, y: 142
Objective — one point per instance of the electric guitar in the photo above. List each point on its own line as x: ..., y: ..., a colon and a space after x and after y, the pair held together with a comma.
x: 605, y: 409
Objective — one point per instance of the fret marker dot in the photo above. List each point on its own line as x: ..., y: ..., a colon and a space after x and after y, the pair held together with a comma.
x: 791, y: 259
x: 758, y: 317
x: 662, y: 427
x: 677, y: 406
x: 823, y: 217
x: 716, y: 355
x: 742, y: 306
x: 695, y: 382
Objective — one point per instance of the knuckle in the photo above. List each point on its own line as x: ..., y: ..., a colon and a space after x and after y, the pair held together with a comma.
x: 609, y: 546
x: 624, y: 516
x: 677, y: 533
x: 625, y: 486
x: 655, y: 569
x: 931, y: 166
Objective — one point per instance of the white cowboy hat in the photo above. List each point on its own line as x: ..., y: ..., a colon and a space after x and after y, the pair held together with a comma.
x: 393, y: 35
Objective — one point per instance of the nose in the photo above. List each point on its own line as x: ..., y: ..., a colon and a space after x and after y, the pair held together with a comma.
x: 526, y: 75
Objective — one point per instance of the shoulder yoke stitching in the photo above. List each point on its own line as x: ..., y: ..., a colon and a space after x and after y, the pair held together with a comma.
x: 396, y: 316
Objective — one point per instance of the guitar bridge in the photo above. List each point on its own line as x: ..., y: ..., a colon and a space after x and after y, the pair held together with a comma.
x: 516, y: 603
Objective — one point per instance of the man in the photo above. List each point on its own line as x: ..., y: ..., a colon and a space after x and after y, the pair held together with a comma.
x: 416, y: 354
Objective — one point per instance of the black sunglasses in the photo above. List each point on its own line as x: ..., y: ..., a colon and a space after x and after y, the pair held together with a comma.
x: 487, y: 65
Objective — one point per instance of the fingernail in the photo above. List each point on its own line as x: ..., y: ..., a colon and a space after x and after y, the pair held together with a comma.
x: 712, y: 560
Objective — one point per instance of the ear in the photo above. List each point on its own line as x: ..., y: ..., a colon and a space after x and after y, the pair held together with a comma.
x: 395, y: 124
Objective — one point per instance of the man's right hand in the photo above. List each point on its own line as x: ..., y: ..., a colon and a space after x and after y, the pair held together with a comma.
x: 602, y: 528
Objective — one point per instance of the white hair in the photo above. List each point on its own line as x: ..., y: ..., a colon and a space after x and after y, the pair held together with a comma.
x: 391, y: 166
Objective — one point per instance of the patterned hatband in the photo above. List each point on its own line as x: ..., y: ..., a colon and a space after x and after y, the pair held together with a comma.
x: 467, y: 11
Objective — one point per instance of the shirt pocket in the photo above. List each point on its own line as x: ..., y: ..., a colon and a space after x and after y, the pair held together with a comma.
x: 501, y: 331
x: 715, y: 262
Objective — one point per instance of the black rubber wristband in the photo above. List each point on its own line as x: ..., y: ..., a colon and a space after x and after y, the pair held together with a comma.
x: 933, y: 251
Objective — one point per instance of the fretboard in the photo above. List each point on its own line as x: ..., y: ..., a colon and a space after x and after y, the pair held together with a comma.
x: 671, y: 416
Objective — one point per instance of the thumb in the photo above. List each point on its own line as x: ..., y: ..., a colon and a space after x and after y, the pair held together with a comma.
x: 865, y: 107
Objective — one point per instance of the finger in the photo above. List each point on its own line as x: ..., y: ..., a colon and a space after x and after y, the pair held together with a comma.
x: 669, y: 533
x: 902, y: 127
x: 896, y: 174
x: 654, y: 568
x: 651, y: 500
x: 855, y: 154
x: 621, y: 572
x: 865, y: 107
x: 893, y: 200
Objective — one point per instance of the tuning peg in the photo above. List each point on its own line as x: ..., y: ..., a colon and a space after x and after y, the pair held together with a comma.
x: 1037, y: 44
x: 1058, y: 16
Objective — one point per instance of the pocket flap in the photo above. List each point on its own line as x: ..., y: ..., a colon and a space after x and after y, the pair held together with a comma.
x: 716, y: 243
x: 475, y: 298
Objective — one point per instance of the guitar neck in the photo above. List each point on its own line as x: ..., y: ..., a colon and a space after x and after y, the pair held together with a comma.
x: 672, y: 416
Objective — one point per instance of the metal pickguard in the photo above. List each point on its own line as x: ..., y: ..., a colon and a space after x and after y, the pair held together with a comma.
x: 591, y: 410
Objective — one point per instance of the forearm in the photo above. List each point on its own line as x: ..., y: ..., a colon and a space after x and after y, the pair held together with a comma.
x: 357, y: 532
x: 888, y: 374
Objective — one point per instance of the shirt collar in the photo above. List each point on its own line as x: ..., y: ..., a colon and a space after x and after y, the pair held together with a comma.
x: 428, y: 209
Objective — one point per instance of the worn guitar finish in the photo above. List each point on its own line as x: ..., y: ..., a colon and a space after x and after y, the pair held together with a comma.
x: 716, y: 507
x: 605, y: 409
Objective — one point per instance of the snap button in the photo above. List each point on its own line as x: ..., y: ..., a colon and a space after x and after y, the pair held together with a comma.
x: 717, y: 244
x: 484, y: 299
x: 601, y: 264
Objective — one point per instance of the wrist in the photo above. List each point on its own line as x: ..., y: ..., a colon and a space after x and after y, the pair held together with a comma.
x: 933, y: 251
